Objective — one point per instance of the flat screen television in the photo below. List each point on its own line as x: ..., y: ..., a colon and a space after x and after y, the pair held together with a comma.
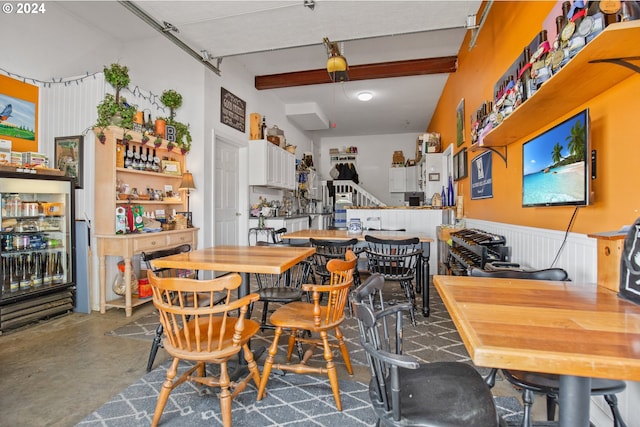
x: 556, y: 165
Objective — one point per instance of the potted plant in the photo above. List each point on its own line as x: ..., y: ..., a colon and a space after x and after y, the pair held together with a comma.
x: 173, y: 100
x: 157, y: 142
x: 114, y: 110
x: 170, y: 146
x: 117, y: 76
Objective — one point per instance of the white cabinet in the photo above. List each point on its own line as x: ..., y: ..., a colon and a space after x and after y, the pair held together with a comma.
x: 271, y: 166
x: 403, y: 179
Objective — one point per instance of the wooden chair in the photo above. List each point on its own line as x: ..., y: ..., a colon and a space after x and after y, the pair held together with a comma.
x: 396, y: 260
x: 405, y: 392
x: 302, y: 316
x: 204, y: 333
x: 548, y: 384
x: 148, y: 257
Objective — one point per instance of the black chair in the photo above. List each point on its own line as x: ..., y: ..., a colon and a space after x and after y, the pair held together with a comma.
x: 147, y: 257
x: 281, y: 288
x: 396, y: 260
x: 405, y: 392
x: 326, y: 250
x: 548, y: 384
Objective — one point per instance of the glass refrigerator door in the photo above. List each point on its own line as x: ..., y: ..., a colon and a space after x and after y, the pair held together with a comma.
x: 36, y: 237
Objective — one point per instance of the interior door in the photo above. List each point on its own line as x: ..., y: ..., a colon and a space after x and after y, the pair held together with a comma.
x: 227, y: 210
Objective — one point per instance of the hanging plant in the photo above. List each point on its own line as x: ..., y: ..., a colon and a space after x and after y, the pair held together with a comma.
x: 170, y: 146
x: 157, y: 142
x: 172, y: 100
x: 145, y: 138
x: 183, y: 135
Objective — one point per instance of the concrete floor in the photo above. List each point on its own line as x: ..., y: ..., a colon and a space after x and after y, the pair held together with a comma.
x: 57, y: 372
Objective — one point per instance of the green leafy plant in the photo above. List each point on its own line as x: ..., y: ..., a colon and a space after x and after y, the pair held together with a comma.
x: 172, y: 100
x: 157, y: 142
x: 117, y: 76
x: 114, y: 110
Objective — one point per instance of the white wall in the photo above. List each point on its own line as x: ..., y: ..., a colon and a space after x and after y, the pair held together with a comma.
x: 375, y: 155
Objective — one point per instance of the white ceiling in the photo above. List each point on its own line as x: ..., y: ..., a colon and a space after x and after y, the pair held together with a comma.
x: 270, y: 37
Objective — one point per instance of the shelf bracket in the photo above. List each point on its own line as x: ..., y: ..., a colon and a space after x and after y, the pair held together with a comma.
x: 502, y: 153
x: 621, y: 61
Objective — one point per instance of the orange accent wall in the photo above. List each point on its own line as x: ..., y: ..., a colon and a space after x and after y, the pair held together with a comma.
x: 615, y: 130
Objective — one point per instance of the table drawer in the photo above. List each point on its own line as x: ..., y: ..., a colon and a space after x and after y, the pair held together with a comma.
x: 149, y: 243
x: 180, y: 238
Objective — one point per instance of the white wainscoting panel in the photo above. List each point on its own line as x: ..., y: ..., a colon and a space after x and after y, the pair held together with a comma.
x: 538, y: 247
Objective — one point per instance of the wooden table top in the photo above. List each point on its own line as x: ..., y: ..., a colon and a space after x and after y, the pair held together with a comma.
x: 238, y: 259
x: 344, y: 235
x: 543, y: 326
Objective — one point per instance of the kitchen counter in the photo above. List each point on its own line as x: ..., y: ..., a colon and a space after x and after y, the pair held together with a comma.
x: 403, y: 207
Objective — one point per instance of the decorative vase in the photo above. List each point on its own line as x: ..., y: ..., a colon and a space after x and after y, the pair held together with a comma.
x: 450, y: 197
x: 443, y: 195
x: 261, y: 221
x: 161, y: 126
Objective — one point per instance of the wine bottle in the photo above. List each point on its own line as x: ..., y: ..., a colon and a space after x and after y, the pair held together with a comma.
x: 58, y: 269
x: 127, y: 159
x: 443, y: 195
x: 156, y: 161
x: 149, y: 165
x: 36, y: 270
x: 450, y: 199
x: 143, y: 157
x: 525, y: 76
x: 46, y: 269
x: 25, y: 274
x: 539, y: 69
x: 130, y: 155
x: 150, y: 126
x: 14, y: 274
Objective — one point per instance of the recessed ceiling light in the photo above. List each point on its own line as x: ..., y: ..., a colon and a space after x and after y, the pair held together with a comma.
x: 365, y: 96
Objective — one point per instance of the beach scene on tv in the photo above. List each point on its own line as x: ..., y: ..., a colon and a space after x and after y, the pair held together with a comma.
x: 554, y: 165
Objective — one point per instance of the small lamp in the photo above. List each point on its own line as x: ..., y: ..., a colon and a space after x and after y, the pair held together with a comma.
x: 187, y: 184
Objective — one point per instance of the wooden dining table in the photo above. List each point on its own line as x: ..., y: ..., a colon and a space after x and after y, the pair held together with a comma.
x: 238, y: 259
x: 578, y: 331
x: 422, y: 278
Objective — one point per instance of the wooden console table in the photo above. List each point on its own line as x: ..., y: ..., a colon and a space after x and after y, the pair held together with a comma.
x: 128, y: 245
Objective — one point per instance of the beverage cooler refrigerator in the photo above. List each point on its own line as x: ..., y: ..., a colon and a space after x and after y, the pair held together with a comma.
x: 37, y: 248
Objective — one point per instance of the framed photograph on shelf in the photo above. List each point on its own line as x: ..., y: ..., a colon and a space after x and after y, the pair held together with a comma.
x: 68, y: 156
x: 171, y: 168
x: 188, y: 216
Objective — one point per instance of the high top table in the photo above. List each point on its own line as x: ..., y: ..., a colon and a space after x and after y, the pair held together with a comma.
x: 423, y: 268
x: 575, y: 330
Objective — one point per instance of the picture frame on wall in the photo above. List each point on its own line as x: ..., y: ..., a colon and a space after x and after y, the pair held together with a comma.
x: 460, y: 168
x: 68, y: 152
x: 434, y: 176
x: 460, y: 122
x: 171, y: 167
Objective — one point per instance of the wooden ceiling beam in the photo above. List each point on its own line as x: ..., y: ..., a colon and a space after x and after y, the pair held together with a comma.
x: 382, y: 70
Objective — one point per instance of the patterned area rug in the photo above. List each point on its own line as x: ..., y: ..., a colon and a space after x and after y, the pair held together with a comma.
x: 292, y: 399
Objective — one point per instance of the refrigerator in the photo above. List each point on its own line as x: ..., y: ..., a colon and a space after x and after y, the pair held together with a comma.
x: 37, y: 247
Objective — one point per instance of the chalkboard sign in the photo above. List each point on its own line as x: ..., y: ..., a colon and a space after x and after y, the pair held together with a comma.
x: 232, y: 110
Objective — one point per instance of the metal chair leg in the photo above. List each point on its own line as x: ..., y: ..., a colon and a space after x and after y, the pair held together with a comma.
x: 612, y: 400
x: 155, y: 345
x: 527, y: 399
x: 490, y: 379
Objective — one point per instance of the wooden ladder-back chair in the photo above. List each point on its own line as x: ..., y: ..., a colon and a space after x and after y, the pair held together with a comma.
x: 548, y: 384
x: 405, y: 392
x: 303, y: 316
x: 397, y: 260
x: 204, y: 332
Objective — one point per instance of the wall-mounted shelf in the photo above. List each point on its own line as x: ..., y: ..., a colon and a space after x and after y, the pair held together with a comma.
x: 590, y: 73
